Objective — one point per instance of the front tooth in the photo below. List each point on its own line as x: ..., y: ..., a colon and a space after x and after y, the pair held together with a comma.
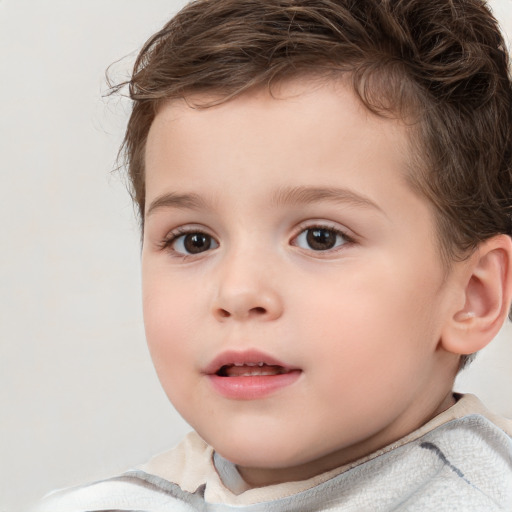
x: 261, y: 364
x: 239, y: 364
x: 251, y: 364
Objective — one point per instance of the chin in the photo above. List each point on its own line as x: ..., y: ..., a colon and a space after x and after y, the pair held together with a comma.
x: 260, y: 452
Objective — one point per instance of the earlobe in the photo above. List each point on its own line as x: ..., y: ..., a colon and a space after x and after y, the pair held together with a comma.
x: 486, y: 285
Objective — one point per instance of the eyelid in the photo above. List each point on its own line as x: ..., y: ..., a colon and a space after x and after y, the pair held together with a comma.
x: 174, y: 234
x: 323, y: 224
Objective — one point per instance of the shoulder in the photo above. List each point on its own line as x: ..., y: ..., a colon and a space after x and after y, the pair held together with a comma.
x: 132, y: 491
x: 475, y: 445
x: 461, y: 460
x: 469, y: 455
x: 470, y: 459
x: 463, y: 464
x: 156, y: 486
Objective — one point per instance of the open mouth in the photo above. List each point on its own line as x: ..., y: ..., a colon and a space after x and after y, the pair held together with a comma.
x: 250, y: 370
x: 249, y: 375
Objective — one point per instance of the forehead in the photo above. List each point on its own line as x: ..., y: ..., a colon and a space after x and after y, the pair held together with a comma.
x: 299, y: 123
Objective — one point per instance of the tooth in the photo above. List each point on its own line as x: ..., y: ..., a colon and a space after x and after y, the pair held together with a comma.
x: 239, y: 364
x: 261, y: 364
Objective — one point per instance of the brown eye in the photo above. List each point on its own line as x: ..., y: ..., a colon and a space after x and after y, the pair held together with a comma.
x: 194, y: 243
x: 320, y: 239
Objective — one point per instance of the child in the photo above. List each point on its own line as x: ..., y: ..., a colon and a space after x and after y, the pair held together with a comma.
x: 325, y: 192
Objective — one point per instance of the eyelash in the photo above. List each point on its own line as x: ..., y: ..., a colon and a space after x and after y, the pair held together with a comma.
x: 175, y: 235
x: 346, y: 239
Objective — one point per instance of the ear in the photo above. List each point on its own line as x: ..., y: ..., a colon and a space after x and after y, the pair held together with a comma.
x: 485, y: 284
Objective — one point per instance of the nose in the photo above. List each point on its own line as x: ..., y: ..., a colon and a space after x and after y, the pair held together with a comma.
x: 247, y: 291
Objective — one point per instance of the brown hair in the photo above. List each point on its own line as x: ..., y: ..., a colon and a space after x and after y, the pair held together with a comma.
x: 442, y: 62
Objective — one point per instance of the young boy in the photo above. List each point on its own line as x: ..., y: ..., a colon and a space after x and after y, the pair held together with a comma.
x: 325, y: 191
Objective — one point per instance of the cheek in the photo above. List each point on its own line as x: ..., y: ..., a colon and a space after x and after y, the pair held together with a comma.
x: 370, y: 318
x: 169, y: 327
x: 367, y: 351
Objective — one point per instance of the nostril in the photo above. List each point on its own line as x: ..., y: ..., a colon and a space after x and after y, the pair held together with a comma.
x: 259, y: 310
x: 223, y: 313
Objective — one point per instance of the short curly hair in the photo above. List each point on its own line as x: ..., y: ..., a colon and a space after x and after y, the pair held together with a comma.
x: 443, y: 64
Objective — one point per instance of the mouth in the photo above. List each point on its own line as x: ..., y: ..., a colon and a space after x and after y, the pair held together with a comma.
x: 248, y: 363
x: 250, y: 370
x: 249, y: 375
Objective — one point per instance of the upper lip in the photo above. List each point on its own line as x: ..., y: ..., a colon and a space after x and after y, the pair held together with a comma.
x: 241, y: 357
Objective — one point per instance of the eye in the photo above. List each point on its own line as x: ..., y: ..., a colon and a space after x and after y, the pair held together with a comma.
x: 192, y: 243
x: 320, y: 239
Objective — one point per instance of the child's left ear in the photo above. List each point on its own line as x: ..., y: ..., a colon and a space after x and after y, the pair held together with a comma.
x: 486, y: 289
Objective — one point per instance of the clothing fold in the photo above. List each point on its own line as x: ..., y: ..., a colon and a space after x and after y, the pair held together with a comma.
x: 460, y: 460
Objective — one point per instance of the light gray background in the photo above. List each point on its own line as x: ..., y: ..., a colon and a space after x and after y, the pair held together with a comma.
x: 78, y: 396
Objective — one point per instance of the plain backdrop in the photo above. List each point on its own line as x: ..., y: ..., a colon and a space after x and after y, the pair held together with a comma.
x: 78, y: 396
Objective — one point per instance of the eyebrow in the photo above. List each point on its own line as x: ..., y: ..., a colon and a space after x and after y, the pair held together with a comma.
x: 180, y: 201
x: 295, y: 196
x: 309, y: 195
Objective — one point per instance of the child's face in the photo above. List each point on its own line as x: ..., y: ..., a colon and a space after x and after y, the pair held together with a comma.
x: 297, y: 242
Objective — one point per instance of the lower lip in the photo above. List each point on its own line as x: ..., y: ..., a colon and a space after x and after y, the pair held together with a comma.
x: 252, y: 387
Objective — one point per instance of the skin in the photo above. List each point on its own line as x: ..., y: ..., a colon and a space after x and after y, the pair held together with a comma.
x: 363, y: 320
